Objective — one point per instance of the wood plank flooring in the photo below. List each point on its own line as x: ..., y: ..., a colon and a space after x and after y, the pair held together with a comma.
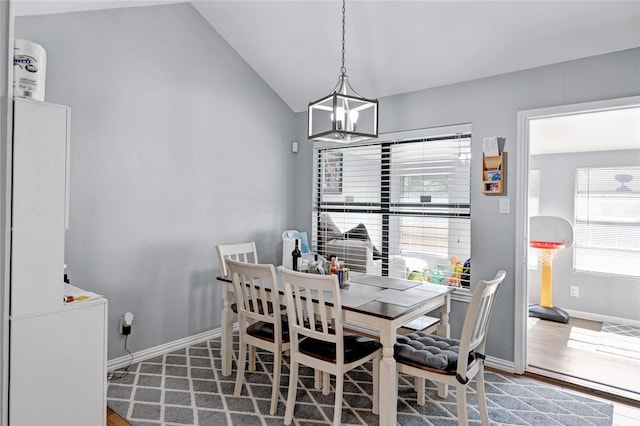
x: 114, y: 419
x: 577, y: 356
x: 578, y: 349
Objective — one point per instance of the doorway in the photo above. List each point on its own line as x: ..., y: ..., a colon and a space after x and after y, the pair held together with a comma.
x: 556, y: 145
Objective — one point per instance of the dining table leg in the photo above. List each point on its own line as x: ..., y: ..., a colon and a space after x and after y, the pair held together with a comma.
x: 226, y: 345
x: 388, y: 380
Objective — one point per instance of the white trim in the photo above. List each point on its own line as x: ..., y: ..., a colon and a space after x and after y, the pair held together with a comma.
x: 460, y: 295
x: 602, y: 318
x: 425, y: 133
x: 521, y: 237
x: 155, y: 351
x: 404, y: 135
x: 6, y: 139
x: 123, y: 361
x: 500, y: 364
x: 522, y: 231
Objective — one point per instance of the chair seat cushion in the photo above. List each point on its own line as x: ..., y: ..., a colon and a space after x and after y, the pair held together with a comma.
x: 355, y: 348
x: 264, y: 330
x: 427, y: 350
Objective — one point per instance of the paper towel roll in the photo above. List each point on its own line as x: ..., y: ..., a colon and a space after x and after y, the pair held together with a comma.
x: 29, y: 69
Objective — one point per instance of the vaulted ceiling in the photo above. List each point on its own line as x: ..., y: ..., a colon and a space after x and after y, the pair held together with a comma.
x: 395, y: 46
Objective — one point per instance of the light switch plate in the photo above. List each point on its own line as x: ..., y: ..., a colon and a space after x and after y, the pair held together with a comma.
x: 504, y: 206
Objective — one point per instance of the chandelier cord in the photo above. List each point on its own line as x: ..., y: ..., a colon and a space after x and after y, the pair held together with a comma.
x: 343, y: 70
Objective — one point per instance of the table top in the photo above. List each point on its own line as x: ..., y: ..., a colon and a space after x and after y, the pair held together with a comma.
x: 385, y: 297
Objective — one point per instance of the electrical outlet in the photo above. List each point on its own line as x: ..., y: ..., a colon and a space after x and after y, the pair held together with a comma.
x: 125, y: 323
x: 575, y: 291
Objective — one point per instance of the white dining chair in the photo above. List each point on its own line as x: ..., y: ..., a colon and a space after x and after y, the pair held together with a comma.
x: 317, y: 337
x: 242, y: 252
x: 437, y: 359
x: 260, y: 320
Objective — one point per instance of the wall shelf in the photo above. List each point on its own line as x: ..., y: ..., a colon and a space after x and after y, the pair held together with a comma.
x: 493, y: 174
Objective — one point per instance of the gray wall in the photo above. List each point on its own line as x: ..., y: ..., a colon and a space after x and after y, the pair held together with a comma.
x: 491, y: 106
x: 610, y: 296
x: 176, y: 145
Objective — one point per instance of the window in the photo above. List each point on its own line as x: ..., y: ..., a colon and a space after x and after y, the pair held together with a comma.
x: 607, y: 221
x: 402, y: 209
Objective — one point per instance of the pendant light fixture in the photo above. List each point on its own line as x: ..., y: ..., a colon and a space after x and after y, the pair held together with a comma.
x: 343, y: 115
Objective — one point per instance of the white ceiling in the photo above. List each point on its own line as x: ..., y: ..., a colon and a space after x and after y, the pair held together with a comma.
x: 399, y: 46
x: 594, y: 131
x: 395, y: 46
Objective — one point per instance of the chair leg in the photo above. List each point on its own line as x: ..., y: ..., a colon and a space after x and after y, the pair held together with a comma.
x: 277, y: 365
x: 337, y: 414
x: 482, y: 399
x: 376, y: 385
x: 419, y: 386
x: 317, y: 379
x: 242, y: 360
x: 326, y: 383
x: 293, y: 390
x: 461, y: 396
x: 252, y: 359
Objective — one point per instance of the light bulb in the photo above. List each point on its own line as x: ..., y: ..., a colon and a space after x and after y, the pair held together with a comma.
x: 340, y: 118
x: 353, y: 118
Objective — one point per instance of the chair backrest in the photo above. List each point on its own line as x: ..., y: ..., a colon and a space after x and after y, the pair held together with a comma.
x: 256, y: 302
x: 309, y: 300
x: 476, y: 322
x: 242, y: 252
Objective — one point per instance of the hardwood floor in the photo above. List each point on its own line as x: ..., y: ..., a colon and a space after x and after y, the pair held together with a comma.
x: 114, y: 419
x: 578, y: 356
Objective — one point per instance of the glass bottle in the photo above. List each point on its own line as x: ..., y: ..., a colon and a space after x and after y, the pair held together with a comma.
x: 296, y: 255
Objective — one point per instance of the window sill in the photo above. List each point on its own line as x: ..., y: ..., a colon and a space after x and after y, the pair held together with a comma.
x: 462, y: 295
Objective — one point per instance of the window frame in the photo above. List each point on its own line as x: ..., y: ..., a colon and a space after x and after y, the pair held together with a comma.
x: 585, y: 220
x: 385, y: 206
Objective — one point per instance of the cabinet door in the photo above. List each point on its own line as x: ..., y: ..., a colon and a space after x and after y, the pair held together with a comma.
x: 40, y: 145
x: 58, y: 367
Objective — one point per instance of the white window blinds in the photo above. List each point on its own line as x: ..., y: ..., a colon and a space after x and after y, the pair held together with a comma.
x: 607, y: 220
x: 400, y: 208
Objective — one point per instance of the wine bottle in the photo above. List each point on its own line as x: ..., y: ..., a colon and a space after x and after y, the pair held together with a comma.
x: 296, y: 255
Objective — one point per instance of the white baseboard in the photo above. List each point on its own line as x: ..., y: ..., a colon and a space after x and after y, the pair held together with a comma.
x: 123, y: 361
x: 155, y: 351
x: 602, y: 318
x: 500, y: 364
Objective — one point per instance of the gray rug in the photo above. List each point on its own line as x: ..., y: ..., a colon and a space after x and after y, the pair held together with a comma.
x: 621, y: 329
x: 182, y: 388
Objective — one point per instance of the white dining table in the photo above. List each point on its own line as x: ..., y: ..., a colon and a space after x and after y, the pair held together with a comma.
x: 377, y: 304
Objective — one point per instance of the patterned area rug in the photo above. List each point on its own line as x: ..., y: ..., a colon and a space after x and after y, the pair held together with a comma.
x: 621, y: 329
x: 186, y: 387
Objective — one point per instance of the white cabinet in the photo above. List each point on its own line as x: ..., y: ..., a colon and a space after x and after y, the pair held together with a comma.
x: 58, y: 367
x: 57, y: 355
x: 40, y: 147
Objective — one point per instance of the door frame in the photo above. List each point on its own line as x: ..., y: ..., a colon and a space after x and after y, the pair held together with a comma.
x: 522, y: 193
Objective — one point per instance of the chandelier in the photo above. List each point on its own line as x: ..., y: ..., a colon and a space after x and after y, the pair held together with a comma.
x: 343, y: 115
